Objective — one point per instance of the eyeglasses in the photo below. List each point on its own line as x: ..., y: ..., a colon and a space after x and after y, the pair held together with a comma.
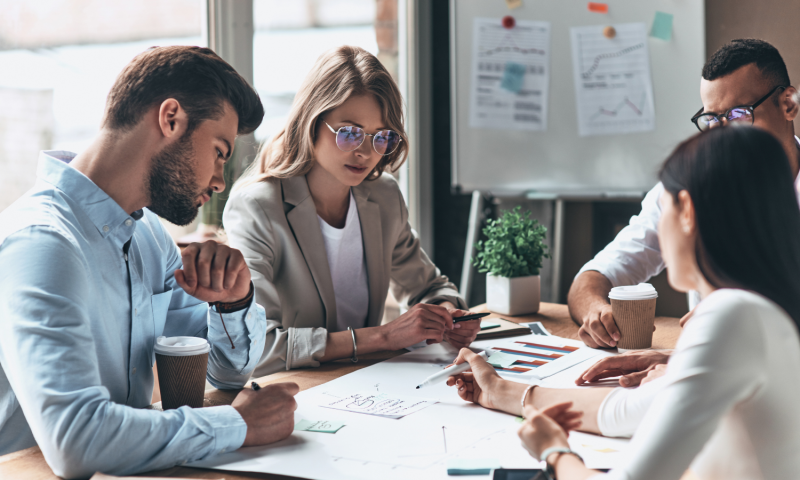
x: 349, y: 138
x: 742, y: 114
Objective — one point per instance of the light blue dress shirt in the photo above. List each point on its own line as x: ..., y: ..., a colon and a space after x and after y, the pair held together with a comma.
x: 78, y: 322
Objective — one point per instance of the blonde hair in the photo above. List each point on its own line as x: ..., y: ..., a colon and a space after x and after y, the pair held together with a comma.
x: 337, y: 75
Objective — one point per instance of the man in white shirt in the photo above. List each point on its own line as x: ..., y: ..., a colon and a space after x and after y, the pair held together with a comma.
x: 745, y: 82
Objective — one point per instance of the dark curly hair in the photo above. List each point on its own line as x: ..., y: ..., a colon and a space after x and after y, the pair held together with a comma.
x: 744, y: 51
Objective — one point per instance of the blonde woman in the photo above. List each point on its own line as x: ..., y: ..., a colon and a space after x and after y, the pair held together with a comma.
x: 325, y: 230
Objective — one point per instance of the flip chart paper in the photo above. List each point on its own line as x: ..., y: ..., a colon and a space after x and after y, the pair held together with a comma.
x: 321, y: 426
x: 380, y: 404
x: 501, y: 360
x: 662, y: 26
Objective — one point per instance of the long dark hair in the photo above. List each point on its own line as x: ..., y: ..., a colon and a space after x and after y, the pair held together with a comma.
x: 746, y: 208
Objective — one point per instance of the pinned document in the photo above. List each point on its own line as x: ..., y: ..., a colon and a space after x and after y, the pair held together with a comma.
x: 321, y: 426
x: 662, y: 26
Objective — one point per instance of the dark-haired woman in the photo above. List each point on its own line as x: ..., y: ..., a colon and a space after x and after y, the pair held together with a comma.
x: 726, y: 403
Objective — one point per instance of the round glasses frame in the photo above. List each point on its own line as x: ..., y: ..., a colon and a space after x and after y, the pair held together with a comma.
x: 373, y: 135
x: 727, y: 115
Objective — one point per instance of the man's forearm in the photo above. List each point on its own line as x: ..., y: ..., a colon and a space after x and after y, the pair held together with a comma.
x: 589, y: 289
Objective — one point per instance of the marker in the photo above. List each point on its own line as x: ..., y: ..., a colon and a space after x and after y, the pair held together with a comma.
x: 449, y: 371
x: 470, y: 317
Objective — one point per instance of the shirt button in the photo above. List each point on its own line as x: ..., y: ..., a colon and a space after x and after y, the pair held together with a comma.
x: 136, y: 311
x: 222, y: 451
x: 105, y: 228
x: 128, y: 222
x: 134, y: 370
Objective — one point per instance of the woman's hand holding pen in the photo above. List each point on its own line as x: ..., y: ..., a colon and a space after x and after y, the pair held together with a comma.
x: 421, y: 322
x: 463, y: 333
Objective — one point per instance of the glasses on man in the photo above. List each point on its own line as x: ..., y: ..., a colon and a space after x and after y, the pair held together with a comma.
x: 349, y: 138
x: 743, y: 114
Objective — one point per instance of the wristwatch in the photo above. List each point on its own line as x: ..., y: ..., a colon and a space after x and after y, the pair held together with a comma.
x: 550, y: 470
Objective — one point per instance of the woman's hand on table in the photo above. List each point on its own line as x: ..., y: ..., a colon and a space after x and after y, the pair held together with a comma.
x: 481, y: 384
x: 421, y: 322
x: 547, y: 428
x: 463, y: 333
x: 631, y: 367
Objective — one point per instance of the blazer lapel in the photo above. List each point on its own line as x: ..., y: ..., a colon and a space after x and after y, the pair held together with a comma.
x: 372, y: 235
x: 305, y: 227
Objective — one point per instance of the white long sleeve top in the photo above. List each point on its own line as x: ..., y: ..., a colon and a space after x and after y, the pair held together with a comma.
x: 727, y: 405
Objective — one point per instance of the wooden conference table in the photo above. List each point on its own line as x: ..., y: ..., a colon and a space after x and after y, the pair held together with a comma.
x: 29, y: 464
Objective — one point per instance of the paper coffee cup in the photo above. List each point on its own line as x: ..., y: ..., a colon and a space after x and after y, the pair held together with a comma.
x: 182, y: 364
x: 634, y: 311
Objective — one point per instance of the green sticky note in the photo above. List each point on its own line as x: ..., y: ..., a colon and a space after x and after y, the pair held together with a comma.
x: 488, y: 325
x: 662, y: 26
x: 471, y: 466
x: 513, y: 77
x: 519, y: 419
x: 321, y: 426
x: 501, y: 360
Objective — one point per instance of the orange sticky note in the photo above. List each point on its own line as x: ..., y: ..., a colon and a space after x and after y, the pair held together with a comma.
x: 598, y: 7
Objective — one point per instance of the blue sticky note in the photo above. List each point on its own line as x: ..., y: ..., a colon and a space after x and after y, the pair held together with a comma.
x: 471, y: 466
x: 501, y: 360
x: 662, y: 26
x: 513, y: 77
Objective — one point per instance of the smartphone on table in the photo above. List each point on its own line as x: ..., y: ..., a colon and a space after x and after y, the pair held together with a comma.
x: 518, y: 474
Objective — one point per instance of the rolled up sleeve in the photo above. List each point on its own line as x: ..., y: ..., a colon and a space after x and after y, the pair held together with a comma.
x: 634, y: 256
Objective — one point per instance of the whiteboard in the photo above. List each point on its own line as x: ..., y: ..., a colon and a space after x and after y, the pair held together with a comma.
x: 558, y: 160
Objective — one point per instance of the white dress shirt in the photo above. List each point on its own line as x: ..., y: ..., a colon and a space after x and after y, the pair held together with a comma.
x: 727, y: 404
x: 634, y: 256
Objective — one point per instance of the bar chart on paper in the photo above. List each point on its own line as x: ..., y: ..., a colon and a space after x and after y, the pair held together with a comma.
x: 510, y: 75
x: 613, y: 86
x: 538, y: 356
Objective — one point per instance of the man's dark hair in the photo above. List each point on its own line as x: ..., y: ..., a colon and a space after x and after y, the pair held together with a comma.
x: 744, y: 51
x: 196, y: 77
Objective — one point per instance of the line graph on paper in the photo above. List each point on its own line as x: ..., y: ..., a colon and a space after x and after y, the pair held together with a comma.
x: 613, y: 86
x: 526, y: 48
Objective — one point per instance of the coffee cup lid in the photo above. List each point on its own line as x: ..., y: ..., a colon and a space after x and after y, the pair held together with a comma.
x: 181, y: 346
x: 643, y: 291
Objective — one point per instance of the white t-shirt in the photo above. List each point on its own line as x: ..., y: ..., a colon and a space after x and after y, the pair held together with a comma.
x: 727, y: 404
x: 635, y: 255
x: 345, y: 249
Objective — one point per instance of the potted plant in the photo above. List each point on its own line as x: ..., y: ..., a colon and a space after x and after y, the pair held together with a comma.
x: 512, y: 256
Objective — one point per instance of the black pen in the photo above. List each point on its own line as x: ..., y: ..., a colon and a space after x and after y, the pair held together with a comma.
x: 470, y: 317
x: 255, y: 386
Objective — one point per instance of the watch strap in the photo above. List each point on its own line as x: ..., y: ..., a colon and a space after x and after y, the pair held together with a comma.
x: 231, y: 307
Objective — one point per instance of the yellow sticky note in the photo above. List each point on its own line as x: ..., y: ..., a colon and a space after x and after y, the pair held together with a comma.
x: 512, y: 4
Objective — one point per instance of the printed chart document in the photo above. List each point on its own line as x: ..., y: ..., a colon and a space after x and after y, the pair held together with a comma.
x: 510, y: 75
x: 380, y: 404
x: 613, y: 87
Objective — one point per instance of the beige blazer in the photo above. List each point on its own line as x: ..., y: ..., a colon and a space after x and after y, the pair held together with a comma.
x: 274, y: 223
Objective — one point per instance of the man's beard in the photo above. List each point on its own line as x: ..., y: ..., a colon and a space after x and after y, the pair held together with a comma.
x: 172, y: 183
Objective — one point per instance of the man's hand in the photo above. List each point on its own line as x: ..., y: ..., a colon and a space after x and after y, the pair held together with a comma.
x: 268, y: 412
x: 213, y: 273
x: 631, y: 367
x: 655, y: 372
x: 599, y: 330
x: 463, y: 333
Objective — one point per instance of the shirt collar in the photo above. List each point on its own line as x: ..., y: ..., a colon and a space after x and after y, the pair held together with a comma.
x: 106, y: 214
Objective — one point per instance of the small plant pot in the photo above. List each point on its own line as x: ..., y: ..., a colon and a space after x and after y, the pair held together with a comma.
x: 513, y: 296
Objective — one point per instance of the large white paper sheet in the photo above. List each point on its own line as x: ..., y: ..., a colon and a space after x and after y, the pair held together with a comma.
x: 510, y: 75
x: 613, y: 87
x: 416, y: 446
